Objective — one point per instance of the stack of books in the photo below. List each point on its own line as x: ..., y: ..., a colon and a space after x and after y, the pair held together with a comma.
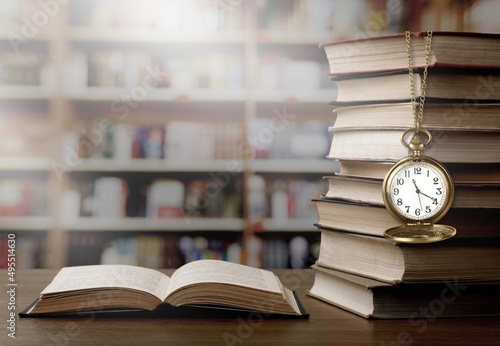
x: 360, y: 270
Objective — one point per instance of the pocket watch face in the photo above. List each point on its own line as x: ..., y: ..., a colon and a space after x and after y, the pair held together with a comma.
x: 418, y: 191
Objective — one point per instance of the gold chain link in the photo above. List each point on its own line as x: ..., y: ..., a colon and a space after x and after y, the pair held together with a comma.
x: 417, y: 117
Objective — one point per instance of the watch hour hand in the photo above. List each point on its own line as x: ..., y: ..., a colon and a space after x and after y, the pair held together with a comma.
x: 415, y: 183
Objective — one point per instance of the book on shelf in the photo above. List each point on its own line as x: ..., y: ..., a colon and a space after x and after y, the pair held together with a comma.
x: 23, y: 197
x: 165, y: 199
x: 84, y: 248
x: 374, y: 219
x: 156, y: 198
x: 119, y: 68
x: 24, y: 134
x: 290, y: 199
x: 281, y: 202
x: 375, y: 299
x: 168, y: 250
x: 216, y: 141
x: 28, y: 67
x: 376, y: 144
x: 110, y: 197
x: 102, y: 197
x: 124, y: 142
x: 102, y: 14
x: 369, y: 190
x: 298, y: 140
x: 151, y: 251
x: 387, y: 53
x: 466, y: 260
x: 148, y: 142
x: 443, y: 84
x: 438, y: 116
x: 199, y: 247
x: 205, y: 283
x: 279, y: 71
x: 278, y: 17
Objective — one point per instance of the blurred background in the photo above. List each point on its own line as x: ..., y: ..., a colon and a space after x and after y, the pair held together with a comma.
x: 157, y: 132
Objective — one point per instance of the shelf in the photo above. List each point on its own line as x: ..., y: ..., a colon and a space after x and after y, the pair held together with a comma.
x: 14, y: 35
x: 294, y: 38
x: 149, y: 35
x: 158, y: 165
x: 157, y: 225
x: 290, y: 225
x: 30, y: 164
x: 294, y: 166
x: 26, y: 223
x: 25, y: 92
x: 298, y: 95
x: 110, y: 94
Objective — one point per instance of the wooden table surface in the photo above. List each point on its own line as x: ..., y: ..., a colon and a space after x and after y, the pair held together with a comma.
x: 327, y: 325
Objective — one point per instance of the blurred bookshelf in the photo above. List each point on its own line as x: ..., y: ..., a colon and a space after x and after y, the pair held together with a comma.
x: 158, y: 132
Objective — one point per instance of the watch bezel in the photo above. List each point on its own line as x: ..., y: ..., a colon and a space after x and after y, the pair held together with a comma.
x: 448, y: 182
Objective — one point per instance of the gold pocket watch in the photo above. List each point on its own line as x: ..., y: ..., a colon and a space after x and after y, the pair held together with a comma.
x: 418, y: 190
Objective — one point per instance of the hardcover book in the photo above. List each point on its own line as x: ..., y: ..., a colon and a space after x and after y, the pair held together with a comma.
x: 368, y: 143
x: 388, y: 53
x: 443, y: 116
x: 373, y: 219
x: 443, y: 84
x: 369, y: 190
x: 466, y: 260
x: 473, y: 172
x: 375, y: 299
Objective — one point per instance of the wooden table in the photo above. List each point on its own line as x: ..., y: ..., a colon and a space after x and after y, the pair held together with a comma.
x: 327, y: 325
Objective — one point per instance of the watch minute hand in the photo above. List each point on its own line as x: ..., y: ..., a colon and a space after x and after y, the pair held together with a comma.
x: 427, y: 196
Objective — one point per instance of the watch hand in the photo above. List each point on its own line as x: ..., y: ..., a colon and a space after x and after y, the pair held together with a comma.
x: 418, y: 193
x: 415, y: 183
x: 421, y: 193
x: 432, y: 198
x: 419, y: 201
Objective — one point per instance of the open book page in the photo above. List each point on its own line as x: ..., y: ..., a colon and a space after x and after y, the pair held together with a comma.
x: 117, y: 276
x: 212, y: 271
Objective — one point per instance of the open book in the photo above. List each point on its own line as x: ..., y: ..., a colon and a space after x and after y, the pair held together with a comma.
x: 204, y: 283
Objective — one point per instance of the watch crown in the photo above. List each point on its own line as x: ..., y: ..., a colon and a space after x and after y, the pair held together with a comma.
x: 416, y: 143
